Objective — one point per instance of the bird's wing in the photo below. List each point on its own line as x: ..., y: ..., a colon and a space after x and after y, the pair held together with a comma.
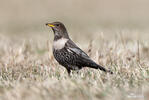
x: 75, y: 49
x: 83, y: 58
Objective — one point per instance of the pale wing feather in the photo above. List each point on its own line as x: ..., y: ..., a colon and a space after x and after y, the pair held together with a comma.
x: 71, y: 46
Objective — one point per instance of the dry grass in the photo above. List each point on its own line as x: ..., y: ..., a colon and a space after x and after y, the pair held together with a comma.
x: 28, y: 70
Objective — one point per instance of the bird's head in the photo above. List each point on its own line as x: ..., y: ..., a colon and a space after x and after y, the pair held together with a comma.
x: 58, y: 29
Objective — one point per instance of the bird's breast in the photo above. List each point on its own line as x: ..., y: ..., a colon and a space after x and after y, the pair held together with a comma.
x: 59, y: 44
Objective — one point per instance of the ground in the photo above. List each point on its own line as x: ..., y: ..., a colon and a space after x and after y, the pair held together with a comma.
x: 28, y: 70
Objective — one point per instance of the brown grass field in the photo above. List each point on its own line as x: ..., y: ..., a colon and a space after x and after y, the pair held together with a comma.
x: 113, y: 33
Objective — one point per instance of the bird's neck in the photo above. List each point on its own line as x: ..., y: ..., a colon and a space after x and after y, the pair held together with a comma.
x: 58, y: 36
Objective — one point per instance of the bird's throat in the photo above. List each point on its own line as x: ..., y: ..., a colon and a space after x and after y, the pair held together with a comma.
x: 57, y: 37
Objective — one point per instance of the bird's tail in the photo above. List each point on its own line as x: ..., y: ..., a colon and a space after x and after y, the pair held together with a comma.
x: 92, y: 64
x: 96, y: 66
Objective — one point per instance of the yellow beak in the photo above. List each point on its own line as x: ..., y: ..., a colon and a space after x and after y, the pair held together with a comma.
x: 48, y: 24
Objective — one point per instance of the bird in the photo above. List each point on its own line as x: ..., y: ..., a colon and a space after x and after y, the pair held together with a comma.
x: 67, y: 53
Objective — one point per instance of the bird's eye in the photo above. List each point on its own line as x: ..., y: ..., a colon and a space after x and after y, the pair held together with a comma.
x: 57, y: 24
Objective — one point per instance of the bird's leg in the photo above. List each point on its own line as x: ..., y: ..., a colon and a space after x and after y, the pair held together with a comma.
x: 69, y: 71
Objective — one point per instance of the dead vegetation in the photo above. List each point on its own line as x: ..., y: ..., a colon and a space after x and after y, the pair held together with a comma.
x: 28, y: 71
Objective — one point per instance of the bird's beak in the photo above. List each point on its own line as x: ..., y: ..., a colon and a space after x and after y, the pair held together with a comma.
x: 49, y: 24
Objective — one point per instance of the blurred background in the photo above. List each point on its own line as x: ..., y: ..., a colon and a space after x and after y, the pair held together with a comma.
x: 23, y: 18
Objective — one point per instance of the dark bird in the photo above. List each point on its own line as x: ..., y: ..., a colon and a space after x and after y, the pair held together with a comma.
x: 67, y: 53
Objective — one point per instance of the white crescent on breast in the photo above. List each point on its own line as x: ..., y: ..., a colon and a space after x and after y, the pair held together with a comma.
x: 60, y: 43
